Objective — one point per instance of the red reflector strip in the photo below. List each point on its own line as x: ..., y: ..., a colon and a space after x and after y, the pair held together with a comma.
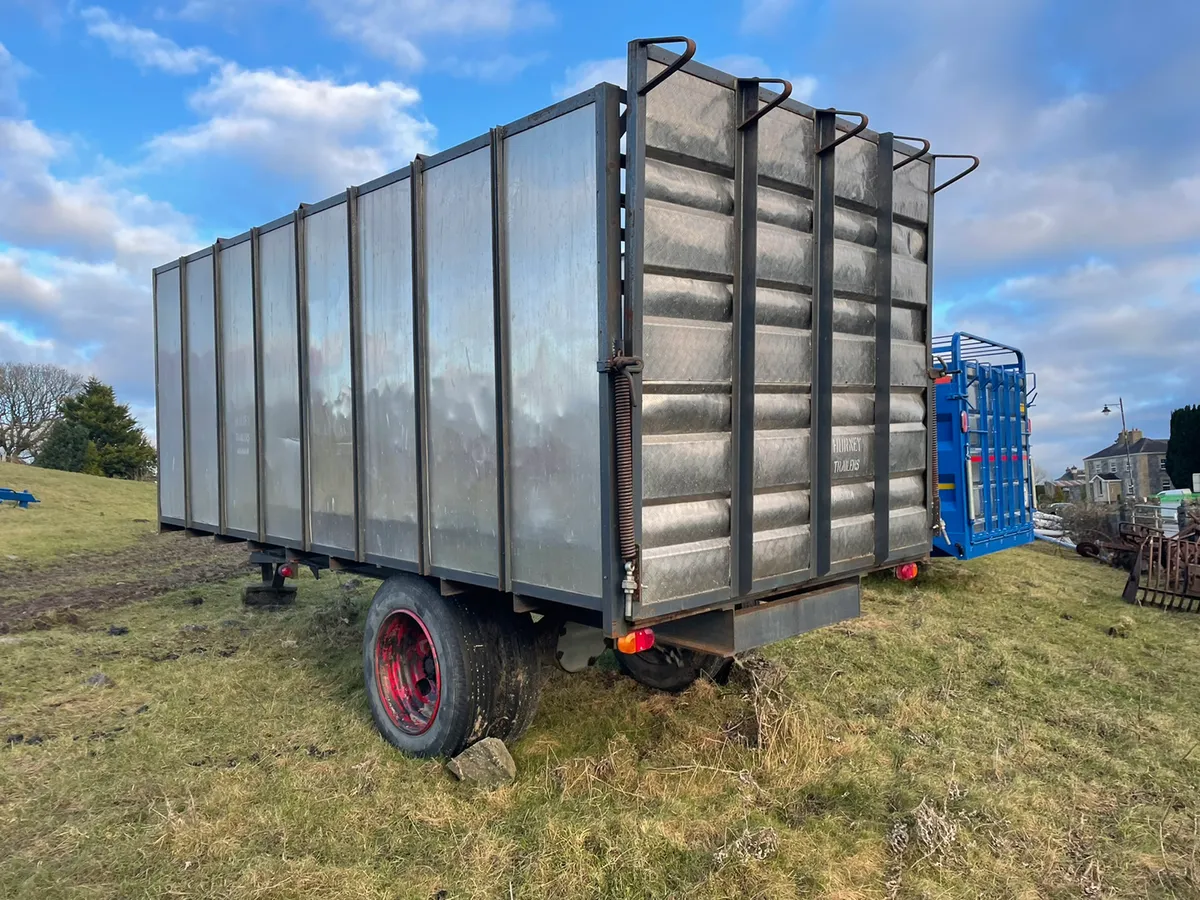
x: 945, y: 379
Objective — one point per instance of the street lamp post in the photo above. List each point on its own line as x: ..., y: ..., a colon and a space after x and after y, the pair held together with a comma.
x: 1128, y: 458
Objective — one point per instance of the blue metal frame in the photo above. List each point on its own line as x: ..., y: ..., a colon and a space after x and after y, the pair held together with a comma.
x: 21, y: 498
x: 984, y: 470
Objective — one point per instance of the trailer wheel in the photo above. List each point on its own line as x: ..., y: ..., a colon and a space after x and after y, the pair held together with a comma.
x: 519, y: 686
x: 443, y: 672
x: 671, y: 669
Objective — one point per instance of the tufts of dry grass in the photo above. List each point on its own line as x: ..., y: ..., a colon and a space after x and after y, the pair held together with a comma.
x: 979, y: 734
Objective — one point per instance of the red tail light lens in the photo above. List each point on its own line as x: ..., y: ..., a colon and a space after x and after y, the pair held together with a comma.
x: 906, y: 572
x: 287, y: 570
x: 964, y: 423
x: 636, y: 641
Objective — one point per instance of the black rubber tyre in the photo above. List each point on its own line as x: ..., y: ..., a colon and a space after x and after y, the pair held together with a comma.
x: 519, y: 687
x: 671, y: 669
x: 485, y: 660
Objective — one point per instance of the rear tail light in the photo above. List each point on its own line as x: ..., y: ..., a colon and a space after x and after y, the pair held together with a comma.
x: 287, y: 570
x: 964, y: 423
x: 636, y: 641
x: 906, y: 571
x: 1029, y: 426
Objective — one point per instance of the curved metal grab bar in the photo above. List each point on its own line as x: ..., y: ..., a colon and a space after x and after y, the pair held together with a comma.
x: 912, y: 157
x: 784, y: 94
x: 961, y: 175
x: 849, y: 134
x: 673, y: 67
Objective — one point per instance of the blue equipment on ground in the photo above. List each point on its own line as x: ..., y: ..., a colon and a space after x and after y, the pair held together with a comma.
x: 22, y: 498
x: 984, y: 471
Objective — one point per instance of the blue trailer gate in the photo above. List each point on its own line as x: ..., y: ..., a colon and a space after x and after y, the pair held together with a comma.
x: 984, y: 473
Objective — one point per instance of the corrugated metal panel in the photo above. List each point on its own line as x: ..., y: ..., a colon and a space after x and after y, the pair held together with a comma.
x: 689, y: 257
x: 330, y: 408
x: 170, y: 395
x: 689, y: 238
x: 202, y: 393
x: 281, y: 384
x: 463, y: 509
x: 389, y: 425
x: 406, y: 354
x: 555, y: 465
x: 237, y: 366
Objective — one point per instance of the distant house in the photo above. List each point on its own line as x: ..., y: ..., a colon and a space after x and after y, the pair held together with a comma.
x: 1072, y: 484
x: 1107, y: 471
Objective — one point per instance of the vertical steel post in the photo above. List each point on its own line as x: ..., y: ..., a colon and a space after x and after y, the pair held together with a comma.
x: 932, y: 497
x: 500, y: 338
x: 745, y: 282
x: 157, y: 399
x: 354, y: 249
x: 884, y: 189
x: 987, y: 452
x: 219, y: 367
x: 185, y: 394
x: 821, y: 399
x: 302, y: 365
x: 260, y: 456
x: 635, y: 206
x: 608, y: 254
x: 420, y: 361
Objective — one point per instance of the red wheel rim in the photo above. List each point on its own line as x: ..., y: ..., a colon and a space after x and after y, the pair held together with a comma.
x: 407, y: 674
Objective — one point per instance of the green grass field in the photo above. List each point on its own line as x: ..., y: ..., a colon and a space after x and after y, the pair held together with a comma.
x: 1004, y: 728
x: 78, y: 514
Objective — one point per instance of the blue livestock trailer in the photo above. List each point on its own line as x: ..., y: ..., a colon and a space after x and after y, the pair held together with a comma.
x: 985, y: 479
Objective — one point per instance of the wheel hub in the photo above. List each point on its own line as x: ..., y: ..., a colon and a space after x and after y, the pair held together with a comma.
x: 407, y: 673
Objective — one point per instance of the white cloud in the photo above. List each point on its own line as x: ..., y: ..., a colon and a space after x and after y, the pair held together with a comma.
x: 11, y: 73
x: 75, y: 258
x: 1064, y: 179
x: 1080, y: 204
x: 148, y: 49
x: 764, y: 16
x: 317, y: 130
x: 390, y: 29
x: 504, y: 67
x: 87, y: 217
x: 18, y: 346
x: 588, y: 74
x: 1093, y: 332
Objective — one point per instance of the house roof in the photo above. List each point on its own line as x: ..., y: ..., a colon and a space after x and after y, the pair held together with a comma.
x: 1145, y: 445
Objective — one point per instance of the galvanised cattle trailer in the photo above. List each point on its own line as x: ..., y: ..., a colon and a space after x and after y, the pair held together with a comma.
x: 651, y: 367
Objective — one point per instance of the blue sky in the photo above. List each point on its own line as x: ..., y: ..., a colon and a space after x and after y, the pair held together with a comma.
x: 132, y: 132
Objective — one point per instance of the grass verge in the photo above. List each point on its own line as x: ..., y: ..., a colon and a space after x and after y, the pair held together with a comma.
x: 1005, y: 728
x: 75, y: 514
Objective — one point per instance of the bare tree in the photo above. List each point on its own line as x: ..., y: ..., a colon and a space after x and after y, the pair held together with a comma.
x: 30, y: 394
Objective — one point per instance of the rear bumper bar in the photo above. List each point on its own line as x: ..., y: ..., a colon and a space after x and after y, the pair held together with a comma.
x: 728, y: 631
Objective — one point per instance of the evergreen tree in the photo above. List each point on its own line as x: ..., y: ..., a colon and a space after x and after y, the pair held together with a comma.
x: 1183, y: 449
x: 65, y: 448
x: 116, y: 447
